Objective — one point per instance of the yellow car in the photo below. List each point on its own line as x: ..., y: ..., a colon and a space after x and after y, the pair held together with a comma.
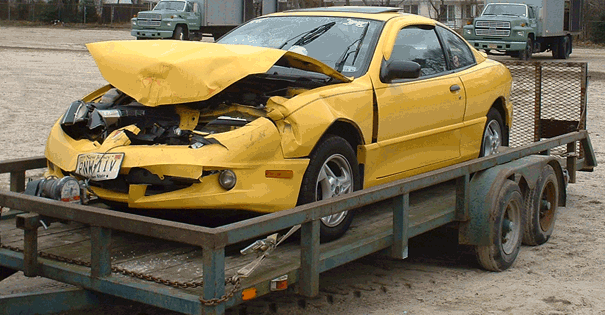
x: 286, y: 109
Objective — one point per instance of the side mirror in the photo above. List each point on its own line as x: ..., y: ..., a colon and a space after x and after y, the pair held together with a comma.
x: 399, y: 69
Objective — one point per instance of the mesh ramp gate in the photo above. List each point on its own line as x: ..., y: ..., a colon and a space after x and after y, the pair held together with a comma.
x: 549, y: 99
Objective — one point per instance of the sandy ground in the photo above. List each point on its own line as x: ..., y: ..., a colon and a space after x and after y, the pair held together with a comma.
x: 42, y: 70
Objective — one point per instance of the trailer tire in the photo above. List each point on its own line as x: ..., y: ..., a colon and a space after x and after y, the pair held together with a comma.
x: 506, y: 222
x: 527, y: 52
x: 493, y: 134
x: 335, y: 161
x: 541, y: 207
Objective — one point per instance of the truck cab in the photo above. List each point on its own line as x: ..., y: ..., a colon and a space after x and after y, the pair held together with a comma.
x: 168, y: 19
x: 508, y: 27
x: 521, y: 27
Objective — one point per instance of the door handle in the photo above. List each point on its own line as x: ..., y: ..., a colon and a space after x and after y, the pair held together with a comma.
x: 454, y: 88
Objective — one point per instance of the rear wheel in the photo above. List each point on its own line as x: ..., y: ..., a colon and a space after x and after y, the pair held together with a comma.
x: 542, y: 203
x: 332, y: 171
x: 506, y: 222
x: 493, y: 134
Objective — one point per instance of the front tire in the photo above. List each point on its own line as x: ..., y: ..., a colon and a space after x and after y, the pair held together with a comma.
x: 179, y: 33
x: 529, y: 48
x: 542, y: 204
x: 506, y: 223
x: 494, y: 134
x: 333, y: 171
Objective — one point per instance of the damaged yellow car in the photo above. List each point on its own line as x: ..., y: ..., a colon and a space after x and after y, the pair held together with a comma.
x: 286, y: 109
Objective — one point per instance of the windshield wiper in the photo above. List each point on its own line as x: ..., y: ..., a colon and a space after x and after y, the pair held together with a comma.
x: 309, y: 36
x: 341, y: 61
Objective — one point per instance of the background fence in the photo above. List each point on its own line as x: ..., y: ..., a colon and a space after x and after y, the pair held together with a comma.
x: 60, y: 12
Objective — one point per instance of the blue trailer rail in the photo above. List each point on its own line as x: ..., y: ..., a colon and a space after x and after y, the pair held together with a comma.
x: 94, y: 250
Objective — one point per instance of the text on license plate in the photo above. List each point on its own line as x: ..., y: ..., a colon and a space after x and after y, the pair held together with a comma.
x: 99, y: 166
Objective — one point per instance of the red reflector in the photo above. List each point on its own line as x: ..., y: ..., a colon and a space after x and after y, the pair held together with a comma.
x: 279, y: 173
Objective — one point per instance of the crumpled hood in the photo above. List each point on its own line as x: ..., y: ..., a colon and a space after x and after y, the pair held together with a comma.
x: 171, y: 72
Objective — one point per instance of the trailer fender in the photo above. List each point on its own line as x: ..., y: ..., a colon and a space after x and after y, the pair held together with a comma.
x: 485, y: 187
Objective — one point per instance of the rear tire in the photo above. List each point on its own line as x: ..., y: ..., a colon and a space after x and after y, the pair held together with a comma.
x: 506, y: 223
x: 332, y: 171
x: 494, y: 134
x: 541, y: 208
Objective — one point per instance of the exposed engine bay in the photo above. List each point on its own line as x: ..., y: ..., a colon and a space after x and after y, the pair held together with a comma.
x: 182, y: 124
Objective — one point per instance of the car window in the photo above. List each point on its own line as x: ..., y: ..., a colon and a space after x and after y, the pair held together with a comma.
x: 459, y: 54
x: 346, y: 44
x: 420, y: 45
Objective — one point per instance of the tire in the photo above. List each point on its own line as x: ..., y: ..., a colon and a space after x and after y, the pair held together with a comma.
x: 506, y: 222
x: 562, y: 48
x: 526, y: 54
x: 179, y: 33
x: 542, y: 203
x: 494, y: 134
x: 333, y: 171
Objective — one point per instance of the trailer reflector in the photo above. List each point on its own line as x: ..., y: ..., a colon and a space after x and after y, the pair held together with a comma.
x: 279, y: 283
x: 248, y: 294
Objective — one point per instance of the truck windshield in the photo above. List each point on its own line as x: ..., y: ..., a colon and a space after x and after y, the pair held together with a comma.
x: 170, y: 5
x: 319, y: 37
x: 505, y: 9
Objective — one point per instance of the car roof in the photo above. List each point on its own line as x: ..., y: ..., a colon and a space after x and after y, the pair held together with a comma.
x: 366, y: 12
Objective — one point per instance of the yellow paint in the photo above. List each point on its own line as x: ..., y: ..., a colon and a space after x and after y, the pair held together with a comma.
x: 421, y: 124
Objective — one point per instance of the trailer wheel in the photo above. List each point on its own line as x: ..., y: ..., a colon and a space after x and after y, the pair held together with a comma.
x: 526, y: 54
x: 506, y: 222
x: 332, y: 171
x: 493, y: 134
x: 179, y: 33
x: 542, y: 203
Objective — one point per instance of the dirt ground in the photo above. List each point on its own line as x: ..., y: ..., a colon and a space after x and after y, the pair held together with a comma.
x: 42, y: 70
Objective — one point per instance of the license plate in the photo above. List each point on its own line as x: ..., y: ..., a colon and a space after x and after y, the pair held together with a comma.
x: 492, y: 46
x: 99, y: 166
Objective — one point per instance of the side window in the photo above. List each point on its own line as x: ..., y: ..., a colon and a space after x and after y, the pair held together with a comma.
x: 420, y: 45
x: 459, y: 54
x: 189, y: 7
x: 532, y: 15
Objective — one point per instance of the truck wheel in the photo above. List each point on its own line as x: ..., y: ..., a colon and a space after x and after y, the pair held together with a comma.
x: 179, y: 33
x: 332, y: 171
x: 493, y: 134
x: 541, y: 208
x: 565, y: 47
x: 506, y: 223
x: 526, y: 54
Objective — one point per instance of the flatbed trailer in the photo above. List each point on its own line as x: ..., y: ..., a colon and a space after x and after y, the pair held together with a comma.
x: 195, y: 269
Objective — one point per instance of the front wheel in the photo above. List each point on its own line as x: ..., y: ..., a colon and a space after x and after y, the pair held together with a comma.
x: 527, y: 52
x: 332, y: 171
x: 506, y: 221
x: 179, y: 33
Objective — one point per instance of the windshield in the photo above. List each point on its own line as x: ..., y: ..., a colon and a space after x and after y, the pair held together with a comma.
x: 505, y: 9
x: 170, y: 5
x: 345, y: 44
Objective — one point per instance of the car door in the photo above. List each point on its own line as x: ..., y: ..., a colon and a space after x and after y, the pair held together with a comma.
x: 418, y: 120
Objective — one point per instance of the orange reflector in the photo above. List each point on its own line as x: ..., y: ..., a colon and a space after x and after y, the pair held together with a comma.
x: 280, y: 283
x: 279, y: 173
x: 248, y: 294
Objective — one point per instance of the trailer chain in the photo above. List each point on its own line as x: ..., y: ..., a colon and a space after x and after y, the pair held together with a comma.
x: 235, y: 281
